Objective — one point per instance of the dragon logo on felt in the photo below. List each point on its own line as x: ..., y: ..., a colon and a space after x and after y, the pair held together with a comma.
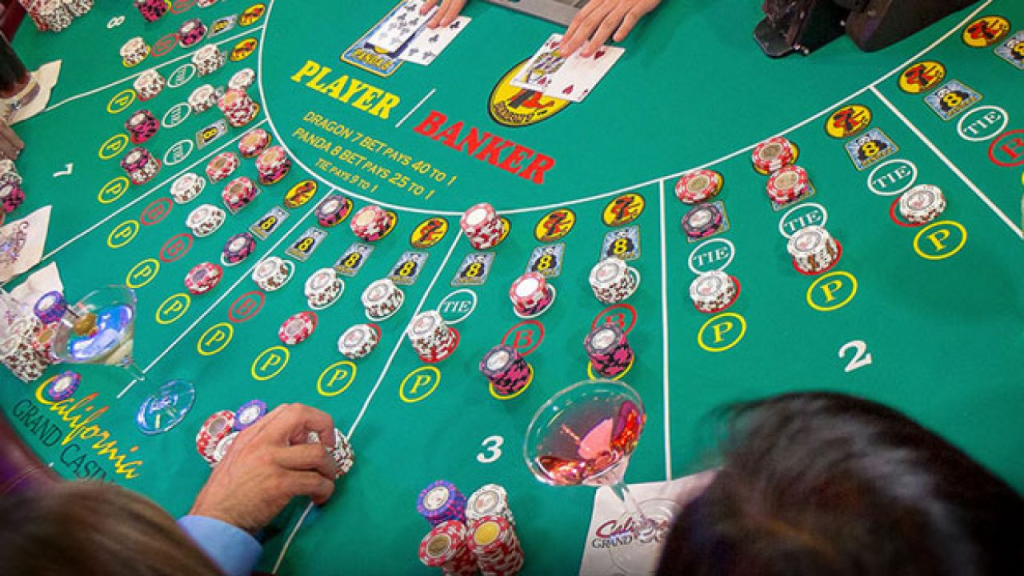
x: 848, y: 121
x: 986, y: 31
x: 512, y: 106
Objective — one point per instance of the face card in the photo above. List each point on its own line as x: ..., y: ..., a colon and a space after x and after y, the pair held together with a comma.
x: 623, y: 243
x: 547, y: 260
x: 536, y: 74
x: 269, y: 222
x: 408, y: 268
x: 353, y: 259
x: 401, y: 26
x: 303, y: 248
x: 428, y: 44
x: 474, y: 269
x: 578, y: 76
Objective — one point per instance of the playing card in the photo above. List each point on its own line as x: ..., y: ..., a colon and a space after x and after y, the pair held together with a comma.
x: 536, y: 74
x: 428, y: 44
x: 578, y: 76
x: 401, y: 25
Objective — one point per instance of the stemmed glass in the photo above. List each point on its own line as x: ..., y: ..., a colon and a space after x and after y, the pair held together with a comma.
x: 585, y: 435
x: 100, y: 329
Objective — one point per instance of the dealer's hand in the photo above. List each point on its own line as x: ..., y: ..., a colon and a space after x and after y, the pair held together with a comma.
x: 268, y: 465
x: 446, y: 14
x: 596, y: 22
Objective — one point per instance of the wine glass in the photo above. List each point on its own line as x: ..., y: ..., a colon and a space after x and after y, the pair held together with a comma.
x: 100, y: 329
x: 585, y: 435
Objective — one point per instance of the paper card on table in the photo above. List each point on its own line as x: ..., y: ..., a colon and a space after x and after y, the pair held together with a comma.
x: 428, y: 44
x: 23, y: 298
x: 536, y: 74
x: 578, y: 76
x: 401, y: 25
x: 22, y: 242
x: 606, y: 530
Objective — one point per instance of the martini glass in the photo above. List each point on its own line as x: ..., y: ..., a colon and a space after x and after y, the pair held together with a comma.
x: 100, y: 330
x: 585, y: 435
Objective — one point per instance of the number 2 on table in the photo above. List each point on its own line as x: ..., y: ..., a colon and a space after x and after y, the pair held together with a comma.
x: 861, y: 356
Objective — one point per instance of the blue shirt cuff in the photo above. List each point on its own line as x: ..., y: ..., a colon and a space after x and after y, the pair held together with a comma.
x: 234, y: 550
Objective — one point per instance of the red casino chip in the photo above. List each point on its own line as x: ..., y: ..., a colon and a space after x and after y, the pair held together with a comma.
x: 203, y: 277
x: 297, y: 328
x: 772, y: 154
x: 698, y: 186
x: 788, y: 184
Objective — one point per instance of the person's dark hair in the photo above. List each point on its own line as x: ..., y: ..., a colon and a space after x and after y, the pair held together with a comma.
x: 93, y: 528
x: 828, y: 484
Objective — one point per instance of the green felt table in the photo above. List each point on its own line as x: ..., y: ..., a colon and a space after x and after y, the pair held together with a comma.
x: 926, y: 319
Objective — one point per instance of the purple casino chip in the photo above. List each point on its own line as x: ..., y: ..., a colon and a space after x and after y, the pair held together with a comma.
x: 249, y: 414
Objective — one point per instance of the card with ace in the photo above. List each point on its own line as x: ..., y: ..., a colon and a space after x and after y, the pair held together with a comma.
x: 428, y: 44
x: 578, y: 76
x: 404, y: 22
x: 536, y: 74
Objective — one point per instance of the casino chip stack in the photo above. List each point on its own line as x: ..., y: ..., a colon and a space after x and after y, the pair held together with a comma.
x: 698, y: 186
x: 53, y: 14
x: 149, y: 84
x: 788, y: 184
x: 445, y: 547
x: 50, y: 307
x: 187, y: 187
x: 221, y: 166
x: 151, y: 10
x: 922, y: 204
x: 242, y: 79
x: 253, y: 143
x: 208, y: 59
x: 11, y: 196
x: 239, y: 193
x: 494, y: 542
x: 19, y: 352
x: 63, y: 386
x: 141, y: 125
x: 191, y: 32
x: 382, y: 298
x: 371, y: 223
x: 713, y: 291
x: 221, y: 450
x: 140, y: 165
x: 483, y: 227
x: 613, y: 281
x: 703, y: 220
x: 273, y: 165
x: 358, y: 341
x: 431, y: 338
x: 333, y: 210
x: 609, y: 353
x: 134, y: 51
x: 441, y: 502
x: 216, y: 428
x: 342, y: 453
x: 506, y: 370
x: 206, y: 3
x: 488, y: 500
x: 203, y: 277
x: 531, y: 295
x: 238, y: 108
x: 238, y: 248
x: 773, y: 154
x: 323, y: 288
x: 205, y: 220
x: 202, y: 99
x: 813, y: 250
x: 297, y: 328
x: 272, y: 273
x: 249, y: 414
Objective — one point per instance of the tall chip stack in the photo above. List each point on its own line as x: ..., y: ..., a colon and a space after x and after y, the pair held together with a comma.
x: 55, y: 15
